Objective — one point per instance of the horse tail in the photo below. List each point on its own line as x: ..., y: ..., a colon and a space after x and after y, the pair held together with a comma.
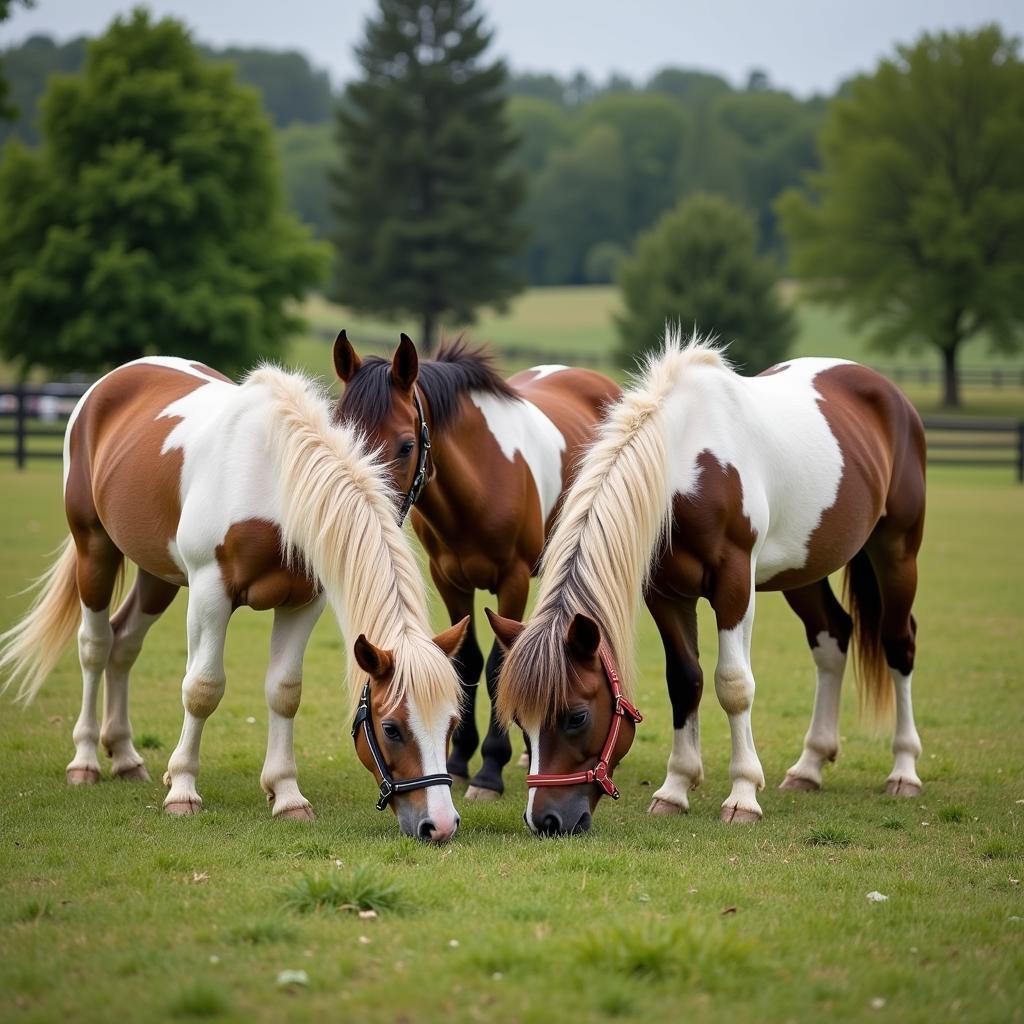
x: 863, y: 598
x: 30, y: 649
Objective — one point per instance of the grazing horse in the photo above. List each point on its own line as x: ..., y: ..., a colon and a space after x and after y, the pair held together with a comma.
x: 501, y: 455
x: 729, y: 485
x: 248, y: 495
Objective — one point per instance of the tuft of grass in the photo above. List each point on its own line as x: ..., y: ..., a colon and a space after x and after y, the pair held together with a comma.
x: 201, y: 999
x: 894, y: 824
x: 34, y: 910
x: 263, y: 932
x: 695, y: 954
x: 616, y: 997
x: 998, y: 848
x: 829, y: 835
x: 954, y: 814
x: 364, y: 888
x: 147, y: 741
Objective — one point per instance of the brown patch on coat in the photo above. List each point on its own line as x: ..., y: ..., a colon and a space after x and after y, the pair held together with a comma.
x: 252, y: 565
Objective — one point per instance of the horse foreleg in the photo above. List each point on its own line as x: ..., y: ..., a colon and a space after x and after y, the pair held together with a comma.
x: 288, y: 640
x: 203, y: 686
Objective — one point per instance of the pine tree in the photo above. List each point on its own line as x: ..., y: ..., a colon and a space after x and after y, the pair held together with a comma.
x: 424, y: 200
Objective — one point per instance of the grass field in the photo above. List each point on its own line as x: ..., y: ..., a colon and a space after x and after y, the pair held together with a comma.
x: 579, y: 322
x: 110, y: 910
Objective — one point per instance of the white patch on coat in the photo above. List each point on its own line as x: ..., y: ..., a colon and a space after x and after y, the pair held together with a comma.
x: 519, y: 426
x: 168, y: 362
x: 545, y: 370
x: 773, y: 432
x: 432, y: 740
x: 534, y: 735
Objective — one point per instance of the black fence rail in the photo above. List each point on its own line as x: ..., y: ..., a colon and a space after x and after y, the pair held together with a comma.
x: 963, y: 441
x: 35, y: 412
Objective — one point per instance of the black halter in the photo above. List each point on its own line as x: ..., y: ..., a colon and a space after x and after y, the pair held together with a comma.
x: 388, y: 786
x: 420, y: 479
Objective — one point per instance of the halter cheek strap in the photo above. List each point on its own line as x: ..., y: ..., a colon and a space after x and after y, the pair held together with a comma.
x: 601, y: 773
x: 388, y: 786
x: 419, y: 481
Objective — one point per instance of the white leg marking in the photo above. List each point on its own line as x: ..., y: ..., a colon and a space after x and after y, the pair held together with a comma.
x: 208, y: 612
x: 534, y: 735
x: 906, y: 744
x: 94, y: 641
x: 288, y: 640
x: 821, y: 743
x: 685, y: 769
x: 116, y: 735
x: 734, y: 684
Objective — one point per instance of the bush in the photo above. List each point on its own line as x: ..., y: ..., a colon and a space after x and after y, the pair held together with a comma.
x: 699, y: 266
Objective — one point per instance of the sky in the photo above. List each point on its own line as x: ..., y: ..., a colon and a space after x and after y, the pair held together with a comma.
x: 805, y: 46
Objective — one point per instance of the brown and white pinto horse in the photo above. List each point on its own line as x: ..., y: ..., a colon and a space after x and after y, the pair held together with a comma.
x: 762, y: 483
x: 248, y: 495
x: 502, y: 454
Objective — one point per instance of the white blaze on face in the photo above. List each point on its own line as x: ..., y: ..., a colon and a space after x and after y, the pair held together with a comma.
x: 534, y: 735
x: 519, y: 426
x: 432, y: 739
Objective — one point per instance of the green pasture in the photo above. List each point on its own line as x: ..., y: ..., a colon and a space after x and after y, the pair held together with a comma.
x: 109, y: 909
x: 578, y: 322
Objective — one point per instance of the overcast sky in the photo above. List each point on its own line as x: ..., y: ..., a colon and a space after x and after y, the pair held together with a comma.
x: 804, y: 45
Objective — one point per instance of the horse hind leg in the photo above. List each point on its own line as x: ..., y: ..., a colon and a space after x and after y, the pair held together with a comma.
x: 148, y: 600
x: 828, y: 629
x: 100, y: 564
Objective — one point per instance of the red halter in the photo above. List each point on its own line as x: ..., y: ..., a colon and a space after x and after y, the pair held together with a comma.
x: 601, y: 773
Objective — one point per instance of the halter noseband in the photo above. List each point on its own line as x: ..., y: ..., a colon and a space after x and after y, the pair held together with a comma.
x: 388, y: 786
x: 601, y: 773
x: 419, y: 481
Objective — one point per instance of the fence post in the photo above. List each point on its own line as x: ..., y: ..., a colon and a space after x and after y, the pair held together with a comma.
x: 20, y: 426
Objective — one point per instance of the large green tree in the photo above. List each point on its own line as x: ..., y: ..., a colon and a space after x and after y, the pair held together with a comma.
x: 152, y: 219
x: 699, y: 267
x: 425, y: 200
x: 916, y: 221
x: 7, y: 112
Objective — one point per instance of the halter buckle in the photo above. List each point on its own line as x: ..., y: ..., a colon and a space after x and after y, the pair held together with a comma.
x: 387, y: 790
x: 624, y: 707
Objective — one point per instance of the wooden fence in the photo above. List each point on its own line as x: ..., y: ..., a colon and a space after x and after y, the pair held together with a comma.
x: 39, y: 412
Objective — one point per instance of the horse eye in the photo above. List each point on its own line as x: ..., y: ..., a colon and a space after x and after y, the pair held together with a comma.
x: 392, y: 731
x: 406, y: 449
x: 575, y: 720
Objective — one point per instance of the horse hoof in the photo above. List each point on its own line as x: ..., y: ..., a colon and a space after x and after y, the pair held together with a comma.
x: 137, y: 773
x: 798, y: 785
x: 739, y: 816
x: 183, y: 808
x: 659, y: 806
x: 479, y: 793
x: 524, y: 760
x: 83, y: 776
x: 304, y: 813
x: 903, y: 787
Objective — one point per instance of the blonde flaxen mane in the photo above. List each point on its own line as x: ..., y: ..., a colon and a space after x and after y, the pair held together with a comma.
x: 338, y: 521
x: 599, y: 554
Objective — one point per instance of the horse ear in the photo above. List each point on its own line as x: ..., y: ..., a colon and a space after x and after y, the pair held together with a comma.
x: 583, y: 637
x: 506, y: 630
x: 374, y: 661
x: 346, y: 361
x: 405, y: 366
x: 451, y: 639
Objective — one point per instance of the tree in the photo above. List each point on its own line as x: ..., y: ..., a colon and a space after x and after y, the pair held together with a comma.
x: 916, y: 221
x: 425, y: 202
x: 152, y: 218
x: 7, y: 112
x: 699, y: 266
x: 307, y: 156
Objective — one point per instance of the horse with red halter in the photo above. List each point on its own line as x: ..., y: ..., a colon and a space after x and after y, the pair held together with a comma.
x: 703, y: 483
x: 501, y: 454
x: 249, y: 495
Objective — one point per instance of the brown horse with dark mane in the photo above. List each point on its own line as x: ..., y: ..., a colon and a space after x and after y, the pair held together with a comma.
x: 501, y: 455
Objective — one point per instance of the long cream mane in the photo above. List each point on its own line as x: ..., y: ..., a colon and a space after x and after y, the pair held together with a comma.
x: 338, y: 520
x: 599, y: 554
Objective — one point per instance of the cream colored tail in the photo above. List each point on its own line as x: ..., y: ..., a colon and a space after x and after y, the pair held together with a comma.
x: 31, y: 648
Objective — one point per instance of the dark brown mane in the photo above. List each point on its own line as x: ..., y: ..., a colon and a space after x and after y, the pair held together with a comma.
x: 456, y: 370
